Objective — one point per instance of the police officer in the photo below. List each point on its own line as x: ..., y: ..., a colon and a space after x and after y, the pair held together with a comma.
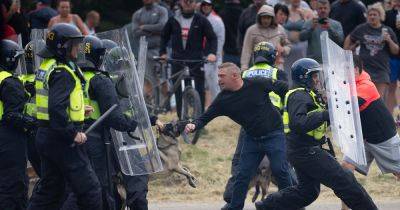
x: 305, y: 119
x: 30, y: 107
x: 136, y: 186
x: 264, y: 59
x: 264, y: 55
x: 61, y: 113
x: 100, y: 93
x: 13, y: 122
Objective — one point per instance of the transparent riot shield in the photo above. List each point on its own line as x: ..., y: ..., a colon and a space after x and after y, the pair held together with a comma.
x: 142, y: 59
x: 21, y: 68
x: 38, y: 37
x: 137, y: 151
x: 341, y: 92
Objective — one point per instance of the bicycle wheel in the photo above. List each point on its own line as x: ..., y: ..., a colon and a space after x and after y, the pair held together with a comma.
x: 191, y: 110
x: 151, y: 95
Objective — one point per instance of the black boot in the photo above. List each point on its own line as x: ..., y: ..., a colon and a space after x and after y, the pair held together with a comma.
x: 260, y: 206
x: 225, y: 207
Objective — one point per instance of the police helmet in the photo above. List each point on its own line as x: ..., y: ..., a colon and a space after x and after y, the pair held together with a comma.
x: 108, y: 44
x: 59, y: 41
x: 264, y: 52
x: 10, y: 53
x: 302, y: 71
x: 30, y: 48
x: 94, y: 52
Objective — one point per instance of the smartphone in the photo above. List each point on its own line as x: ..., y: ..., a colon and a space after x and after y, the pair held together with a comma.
x: 322, y: 21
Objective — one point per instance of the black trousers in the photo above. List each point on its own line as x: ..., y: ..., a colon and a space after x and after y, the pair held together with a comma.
x: 13, y: 178
x: 61, y: 165
x: 136, y: 191
x: 33, y: 154
x: 198, y: 83
x: 315, y: 166
x: 136, y: 186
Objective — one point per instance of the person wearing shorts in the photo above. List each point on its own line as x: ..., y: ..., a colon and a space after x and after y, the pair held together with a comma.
x: 382, y: 143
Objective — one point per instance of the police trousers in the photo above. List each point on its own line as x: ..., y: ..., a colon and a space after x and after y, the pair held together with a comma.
x: 315, y: 166
x: 13, y: 178
x: 63, y: 164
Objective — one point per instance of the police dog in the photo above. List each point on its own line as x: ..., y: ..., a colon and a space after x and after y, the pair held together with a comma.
x: 170, y: 152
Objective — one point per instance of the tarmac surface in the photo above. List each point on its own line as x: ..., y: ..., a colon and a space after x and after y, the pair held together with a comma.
x: 383, y: 205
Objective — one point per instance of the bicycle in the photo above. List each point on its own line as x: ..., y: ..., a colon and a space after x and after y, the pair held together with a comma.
x: 157, y: 98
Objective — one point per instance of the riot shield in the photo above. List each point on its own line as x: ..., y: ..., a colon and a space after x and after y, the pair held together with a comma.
x: 142, y: 59
x: 137, y: 151
x: 38, y: 37
x: 338, y: 70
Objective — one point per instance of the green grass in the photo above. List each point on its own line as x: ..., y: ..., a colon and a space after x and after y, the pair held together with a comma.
x: 210, y: 162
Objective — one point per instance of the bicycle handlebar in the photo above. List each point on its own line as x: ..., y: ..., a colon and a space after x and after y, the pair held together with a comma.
x: 181, y: 61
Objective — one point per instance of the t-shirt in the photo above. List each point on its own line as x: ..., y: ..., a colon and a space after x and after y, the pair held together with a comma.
x: 350, y: 14
x: 374, y: 51
x: 185, y: 27
x: 249, y: 106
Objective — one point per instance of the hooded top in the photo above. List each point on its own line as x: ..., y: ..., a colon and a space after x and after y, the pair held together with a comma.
x: 366, y: 90
x: 376, y: 121
x: 256, y: 33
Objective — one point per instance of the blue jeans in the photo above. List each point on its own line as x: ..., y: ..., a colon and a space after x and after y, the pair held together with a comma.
x: 273, y: 145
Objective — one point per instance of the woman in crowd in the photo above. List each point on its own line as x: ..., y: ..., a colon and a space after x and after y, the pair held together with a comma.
x: 65, y: 16
x: 377, y: 42
x: 265, y: 30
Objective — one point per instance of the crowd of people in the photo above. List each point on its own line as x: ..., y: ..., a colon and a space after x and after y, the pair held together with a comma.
x: 292, y: 26
x: 272, y: 46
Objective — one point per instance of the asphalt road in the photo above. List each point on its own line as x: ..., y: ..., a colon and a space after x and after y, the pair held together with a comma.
x: 386, y: 205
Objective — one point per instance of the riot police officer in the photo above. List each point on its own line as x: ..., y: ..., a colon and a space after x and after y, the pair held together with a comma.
x: 136, y: 186
x: 13, y: 122
x: 30, y: 107
x: 61, y: 113
x: 305, y: 120
x: 100, y: 93
x: 264, y: 56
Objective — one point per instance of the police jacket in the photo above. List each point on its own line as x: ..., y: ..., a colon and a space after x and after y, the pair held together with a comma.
x: 101, y: 91
x: 59, y: 98
x: 267, y: 71
x: 12, y: 103
x: 303, y: 119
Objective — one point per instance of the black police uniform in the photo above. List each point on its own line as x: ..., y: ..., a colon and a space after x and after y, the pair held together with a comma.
x: 101, y: 93
x: 13, y: 179
x: 61, y: 162
x: 29, y: 84
x: 313, y: 165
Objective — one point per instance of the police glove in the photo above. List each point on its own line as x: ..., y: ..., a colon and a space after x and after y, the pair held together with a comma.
x: 20, y: 121
x: 325, y: 115
x: 30, y: 88
x: 133, y: 126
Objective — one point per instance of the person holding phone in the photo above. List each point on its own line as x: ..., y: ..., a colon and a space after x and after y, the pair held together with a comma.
x: 312, y: 30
